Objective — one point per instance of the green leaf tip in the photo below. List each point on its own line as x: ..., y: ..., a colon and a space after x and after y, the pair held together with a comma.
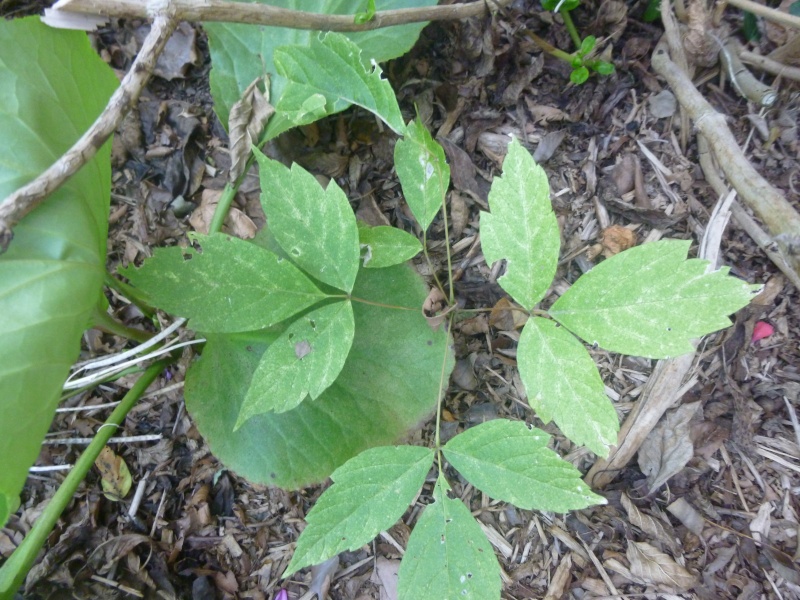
x: 370, y: 492
x: 564, y: 385
x: 228, y: 285
x: 521, y: 228
x: 448, y: 555
x: 511, y: 462
x: 331, y: 66
x: 423, y: 172
x: 651, y: 301
x: 385, y: 246
x: 304, y: 361
x: 316, y: 227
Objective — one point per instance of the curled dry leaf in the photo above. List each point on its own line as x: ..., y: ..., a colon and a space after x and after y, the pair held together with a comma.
x: 247, y: 121
x: 656, y: 567
x: 616, y: 239
x: 116, y: 478
x: 668, y: 447
x: 459, y: 214
x: 435, y: 308
x: 651, y: 526
x: 506, y: 316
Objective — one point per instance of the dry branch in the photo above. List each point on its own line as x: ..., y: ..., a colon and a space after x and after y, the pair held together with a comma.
x: 264, y: 14
x: 17, y: 205
x: 768, y: 204
x: 28, y: 197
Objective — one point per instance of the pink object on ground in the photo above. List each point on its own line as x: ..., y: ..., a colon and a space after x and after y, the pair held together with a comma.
x: 762, y: 330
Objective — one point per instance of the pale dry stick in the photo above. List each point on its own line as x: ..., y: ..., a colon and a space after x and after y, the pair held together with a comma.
x: 264, y: 14
x: 769, y: 205
x: 769, y: 65
x: 151, y: 437
x: 740, y: 215
x: 17, y: 205
x: 674, y: 39
x: 770, y: 14
x: 25, y: 199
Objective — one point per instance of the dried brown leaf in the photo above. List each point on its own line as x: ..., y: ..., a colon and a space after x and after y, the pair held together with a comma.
x: 616, y: 239
x: 248, y: 118
x: 656, y: 567
x: 650, y: 525
x: 116, y: 478
x: 541, y: 113
x: 668, y: 447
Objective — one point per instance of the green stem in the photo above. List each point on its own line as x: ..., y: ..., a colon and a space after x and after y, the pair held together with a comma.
x: 549, y: 48
x: 570, y: 25
x: 131, y: 293
x: 442, y: 387
x: 223, y: 206
x: 13, y: 572
x: 102, y: 320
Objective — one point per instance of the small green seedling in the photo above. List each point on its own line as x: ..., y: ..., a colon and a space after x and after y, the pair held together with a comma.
x: 581, y: 64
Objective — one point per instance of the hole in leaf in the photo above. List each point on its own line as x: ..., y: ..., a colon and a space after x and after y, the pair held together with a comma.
x: 295, y: 251
x: 313, y: 324
x: 469, y: 575
x: 669, y: 328
x: 186, y: 256
x: 302, y: 349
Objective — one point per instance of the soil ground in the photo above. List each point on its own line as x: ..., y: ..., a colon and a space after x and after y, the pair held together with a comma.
x: 726, y: 523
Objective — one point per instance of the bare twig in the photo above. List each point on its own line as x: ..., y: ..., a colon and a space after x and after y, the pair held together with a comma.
x: 264, y: 14
x: 28, y: 197
x: 769, y: 205
x: 769, y: 65
x: 744, y: 220
x: 768, y: 13
x: 25, y: 199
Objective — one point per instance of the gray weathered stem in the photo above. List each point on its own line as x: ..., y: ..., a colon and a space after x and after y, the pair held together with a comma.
x: 264, y: 14
x: 25, y: 199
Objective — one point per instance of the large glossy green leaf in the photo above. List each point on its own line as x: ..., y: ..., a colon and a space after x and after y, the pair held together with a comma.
x: 563, y: 384
x: 304, y: 361
x: 511, y: 462
x: 326, y: 77
x: 52, y: 87
x: 369, y: 494
x: 389, y: 383
x: 448, y: 556
x: 423, y: 172
x: 315, y: 227
x: 241, y: 53
x: 228, y: 285
x: 651, y: 301
x: 522, y: 228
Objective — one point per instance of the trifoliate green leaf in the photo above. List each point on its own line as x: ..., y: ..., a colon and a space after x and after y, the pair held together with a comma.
x: 230, y: 285
x: 304, y: 361
x: 423, y: 172
x: 330, y: 68
x: 448, y: 556
x: 511, y: 462
x: 369, y: 494
x: 522, y: 228
x: 563, y: 384
x: 315, y: 227
x: 385, y: 246
x: 651, y: 301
